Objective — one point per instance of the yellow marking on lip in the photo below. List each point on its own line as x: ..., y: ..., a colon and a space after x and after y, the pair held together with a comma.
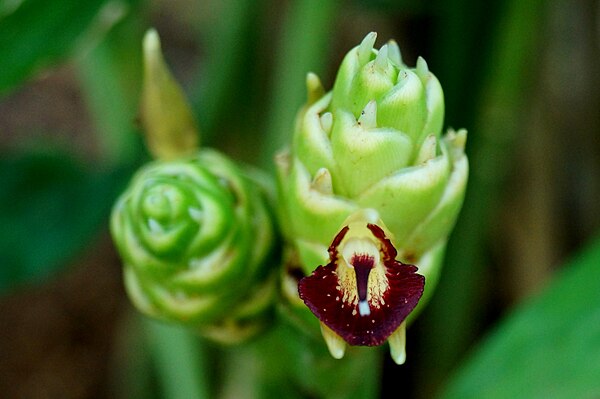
x: 360, y: 241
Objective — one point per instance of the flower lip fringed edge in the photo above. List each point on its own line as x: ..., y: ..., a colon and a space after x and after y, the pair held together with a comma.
x: 363, y: 294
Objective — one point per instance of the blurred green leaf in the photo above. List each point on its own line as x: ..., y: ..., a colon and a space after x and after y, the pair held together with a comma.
x: 308, y: 30
x: 38, y: 32
x: 110, y: 75
x: 493, y: 139
x: 50, y: 206
x: 548, y: 348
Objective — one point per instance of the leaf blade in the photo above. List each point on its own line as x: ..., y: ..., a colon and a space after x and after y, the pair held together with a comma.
x: 548, y: 348
x: 38, y: 33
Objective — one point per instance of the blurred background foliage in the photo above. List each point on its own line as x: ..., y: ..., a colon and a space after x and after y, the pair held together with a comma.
x: 512, y: 317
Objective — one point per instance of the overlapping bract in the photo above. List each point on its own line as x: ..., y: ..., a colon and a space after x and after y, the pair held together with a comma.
x: 374, y: 142
x: 195, y: 236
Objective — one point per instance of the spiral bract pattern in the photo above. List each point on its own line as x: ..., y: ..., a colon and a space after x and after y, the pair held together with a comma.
x: 195, y: 236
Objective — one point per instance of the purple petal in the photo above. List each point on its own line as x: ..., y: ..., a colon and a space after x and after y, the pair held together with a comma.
x: 321, y: 292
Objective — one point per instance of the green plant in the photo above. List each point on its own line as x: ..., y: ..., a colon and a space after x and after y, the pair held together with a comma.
x: 334, y: 205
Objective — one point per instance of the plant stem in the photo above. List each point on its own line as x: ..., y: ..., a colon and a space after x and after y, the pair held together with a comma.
x: 179, y: 360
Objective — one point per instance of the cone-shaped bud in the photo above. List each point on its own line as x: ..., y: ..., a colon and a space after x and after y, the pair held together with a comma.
x: 374, y: 142
x: 195, y: 237
x: 169, y: 124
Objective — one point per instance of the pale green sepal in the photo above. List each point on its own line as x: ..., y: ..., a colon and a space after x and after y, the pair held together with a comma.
x: 397, y: 343
x: 335, y: 343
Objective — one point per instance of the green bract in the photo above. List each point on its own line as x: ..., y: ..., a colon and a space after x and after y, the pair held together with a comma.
x: 374, y: 142
x: 195, y: 236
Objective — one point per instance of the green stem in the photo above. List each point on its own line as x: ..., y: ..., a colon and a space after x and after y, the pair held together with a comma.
x: 308, y: 31
x: 452, y: 319
x: 287, y: 363
x: 179, y: 359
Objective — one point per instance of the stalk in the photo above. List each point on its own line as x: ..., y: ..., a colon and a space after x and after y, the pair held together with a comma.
x: 179, y: 360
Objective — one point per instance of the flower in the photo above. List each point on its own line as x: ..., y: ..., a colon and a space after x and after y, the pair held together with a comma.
x: 373, y: 143
x: 195, y: 237
x: 193, y: 229
x: 363, y: 294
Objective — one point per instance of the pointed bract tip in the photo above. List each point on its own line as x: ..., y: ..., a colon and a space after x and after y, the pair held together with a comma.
x: 170, y: 127
x: 322, y: 182
x: 422, y: 69
x: 397, y: 343
x: 314, y: 88
x: 457, y: 141
x: 366, y: 48
x: 394, y: 53
x: 381, y: 60
x: 428, y: 150
x: 153, y: 58
x: 461, y: 139
x: 335, y: 343
x: 368, y: 116
x: 327, y: 122
x: 151, y: 40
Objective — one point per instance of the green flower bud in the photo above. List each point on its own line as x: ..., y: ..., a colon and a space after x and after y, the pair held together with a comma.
x: 195, y: 237
x: 169, y: 124
x: 193, y: 230
x: 374, y: 143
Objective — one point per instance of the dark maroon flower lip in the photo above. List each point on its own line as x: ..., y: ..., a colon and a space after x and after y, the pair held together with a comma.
x: 363, y: 294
